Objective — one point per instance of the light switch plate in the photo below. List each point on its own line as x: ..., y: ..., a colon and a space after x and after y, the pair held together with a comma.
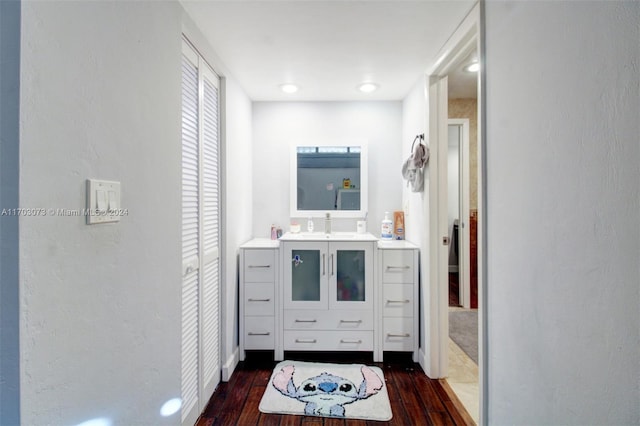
x: 103, y: 201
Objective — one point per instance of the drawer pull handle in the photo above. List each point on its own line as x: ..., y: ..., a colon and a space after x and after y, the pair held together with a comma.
x: 398, y: 335
x: 259, y: 300
x: 259, y: 266
x: 401, y: 268
x: 331, y: 263
x: 306, y: 340
x: 311, y: 320
x: 350, y: 341
x: 398, y: 301
x: 251, y: 333
x: 351, y: 321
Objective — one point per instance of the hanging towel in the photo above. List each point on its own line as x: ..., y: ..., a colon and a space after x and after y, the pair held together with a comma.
x: 413, y: 167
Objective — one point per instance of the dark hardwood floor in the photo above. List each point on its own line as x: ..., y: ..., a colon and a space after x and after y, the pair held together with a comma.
x: 415, y: 399
x: 454, y: 299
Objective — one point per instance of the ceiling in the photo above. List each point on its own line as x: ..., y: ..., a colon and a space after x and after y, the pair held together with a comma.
x: 461, y: 83
x: 327, y: 48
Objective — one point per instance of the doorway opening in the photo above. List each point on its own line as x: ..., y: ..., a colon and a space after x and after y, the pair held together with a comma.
x: 450, y: 226
x: 458, y: 226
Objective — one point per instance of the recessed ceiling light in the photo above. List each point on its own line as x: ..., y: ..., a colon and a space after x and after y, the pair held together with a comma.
x: 368, y: 87
x: 474, y: 67
x: 289, y: 88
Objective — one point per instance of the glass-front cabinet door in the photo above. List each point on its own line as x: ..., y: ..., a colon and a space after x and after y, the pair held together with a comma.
x: 305, y: 275
x: 350, y: 275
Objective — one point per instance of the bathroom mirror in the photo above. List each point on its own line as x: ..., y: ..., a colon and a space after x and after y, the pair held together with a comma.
x: 329, y: 178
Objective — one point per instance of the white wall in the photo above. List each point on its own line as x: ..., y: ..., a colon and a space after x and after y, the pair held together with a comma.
x: 414, y: 118
x: 238, y: 210
x: 101, y: 305
x: 278, y: 125
x: 562, y: 212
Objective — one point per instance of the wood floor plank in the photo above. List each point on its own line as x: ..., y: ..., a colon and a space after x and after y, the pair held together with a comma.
x: 458, y: 419
x: 440, y: 418
x: 399, y: 414
x: 427, y: 393
x: 250, y: 412
x: 411, y: 402
x: 334, y: 422
x: 454, y: 405
x: 269, y: 419
x: 311, y: 421
x: 415, y: 399
x: 230, y: 411
x: 291, y: 421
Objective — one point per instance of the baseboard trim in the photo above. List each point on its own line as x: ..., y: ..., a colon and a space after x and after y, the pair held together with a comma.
x: 229, y: 367
x: 422, y: 360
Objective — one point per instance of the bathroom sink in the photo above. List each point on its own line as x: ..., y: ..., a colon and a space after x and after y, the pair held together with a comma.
x: 321, y: 236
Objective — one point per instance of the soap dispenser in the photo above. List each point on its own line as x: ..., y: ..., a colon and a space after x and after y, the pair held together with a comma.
x: 387, y: 228
x: 327, y: 224
x: 310, y: 225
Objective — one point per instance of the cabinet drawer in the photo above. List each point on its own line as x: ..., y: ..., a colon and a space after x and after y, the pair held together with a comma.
x: 298, y: 340
x: 309, y: 319
x: 398, y: 334
x: 397, y: 266
x: 259, y: 333
x: 258, y: 299
x: 259, y: 266
x: 397, y: 300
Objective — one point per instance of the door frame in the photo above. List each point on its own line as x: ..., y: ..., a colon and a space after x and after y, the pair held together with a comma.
x: 464, y: 237
x: 434, y: 351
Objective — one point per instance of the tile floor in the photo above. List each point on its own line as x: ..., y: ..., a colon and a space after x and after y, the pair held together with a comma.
x: 463, y: 379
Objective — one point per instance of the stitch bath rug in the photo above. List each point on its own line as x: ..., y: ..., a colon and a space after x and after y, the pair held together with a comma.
x: 350, y: 391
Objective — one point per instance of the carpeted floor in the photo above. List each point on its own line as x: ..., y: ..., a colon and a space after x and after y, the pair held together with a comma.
x: 463, y: 329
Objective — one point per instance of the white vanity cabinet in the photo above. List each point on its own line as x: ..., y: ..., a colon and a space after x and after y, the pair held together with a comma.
x: 259, y: 276
x: 398, y: 288
x: 328, y: 294
x: 342, y: 292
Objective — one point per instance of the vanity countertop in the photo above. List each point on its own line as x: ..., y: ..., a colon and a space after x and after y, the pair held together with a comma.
x: 334, y: 236
x: 258, y: 243
x: 396, y: 244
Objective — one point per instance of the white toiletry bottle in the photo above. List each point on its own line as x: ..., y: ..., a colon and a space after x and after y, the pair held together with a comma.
x: 387, y: 228
x: 327, y: 224
x: 310, y: 225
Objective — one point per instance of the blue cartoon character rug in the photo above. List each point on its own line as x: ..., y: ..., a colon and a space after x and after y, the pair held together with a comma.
x: 351, y: 391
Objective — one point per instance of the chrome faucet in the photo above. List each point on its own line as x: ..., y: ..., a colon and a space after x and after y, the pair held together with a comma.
x: 327, y: 224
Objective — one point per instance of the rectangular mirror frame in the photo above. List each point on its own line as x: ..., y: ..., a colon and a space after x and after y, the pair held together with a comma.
x: 364, y: 181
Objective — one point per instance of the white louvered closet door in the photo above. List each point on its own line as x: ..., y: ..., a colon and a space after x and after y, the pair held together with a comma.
x: 210, y: 196
x: 200, y: 235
